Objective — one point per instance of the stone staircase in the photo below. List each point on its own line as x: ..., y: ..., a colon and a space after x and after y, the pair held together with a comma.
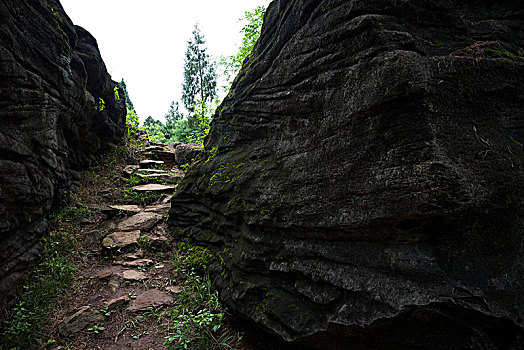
x: 130, y: 274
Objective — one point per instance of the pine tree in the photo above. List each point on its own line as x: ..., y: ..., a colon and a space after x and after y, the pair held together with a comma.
x: 200, y: 78
x: 129, y: 104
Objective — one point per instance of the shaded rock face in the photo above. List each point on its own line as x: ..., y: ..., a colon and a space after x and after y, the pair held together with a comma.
x: 53, y: 122
x: 364, y: 178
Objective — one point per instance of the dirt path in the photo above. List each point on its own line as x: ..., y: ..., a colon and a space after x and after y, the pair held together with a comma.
x: 126, y: 273
x: 135, y: 287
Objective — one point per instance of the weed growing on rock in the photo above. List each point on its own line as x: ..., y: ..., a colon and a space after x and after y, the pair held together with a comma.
x: 196, y: 318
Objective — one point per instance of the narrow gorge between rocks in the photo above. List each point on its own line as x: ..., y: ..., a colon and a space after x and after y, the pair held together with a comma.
x: 361, y: 187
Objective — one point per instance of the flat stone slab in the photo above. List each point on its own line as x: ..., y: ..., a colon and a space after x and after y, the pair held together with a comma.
x: 149, y: 163
x: 152, y: 171
x: 133, y: 256
x: 150, y: 298
x: 126, y: 209
x: 153, y: 148
x: 160, y: 208
x: 117, y: 302
x: 84, y: 317
x: 135, y: 263
x: 134, y: 275
x: 121, y: 239
x: 154, y: 188
x: 141, y: 221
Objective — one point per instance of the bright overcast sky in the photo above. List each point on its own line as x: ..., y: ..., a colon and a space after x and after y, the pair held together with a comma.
x: 144, y: 42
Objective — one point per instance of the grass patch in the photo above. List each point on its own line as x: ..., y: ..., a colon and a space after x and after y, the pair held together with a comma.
x: 195, y: 321
x: 131, y: 196
x: 25, y: 326
x: 196, y: 318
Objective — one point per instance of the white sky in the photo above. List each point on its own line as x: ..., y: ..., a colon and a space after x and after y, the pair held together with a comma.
x: 144, y: 42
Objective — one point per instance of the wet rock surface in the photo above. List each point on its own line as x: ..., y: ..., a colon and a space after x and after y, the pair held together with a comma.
x: 364, y: 177
x: 52, y: 83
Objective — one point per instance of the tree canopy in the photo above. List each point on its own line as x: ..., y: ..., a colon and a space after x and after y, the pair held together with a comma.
x: 200, y: 78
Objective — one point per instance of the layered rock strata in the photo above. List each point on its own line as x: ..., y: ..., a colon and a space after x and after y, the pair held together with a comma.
x: 58, y: 109
x: 364, y: 178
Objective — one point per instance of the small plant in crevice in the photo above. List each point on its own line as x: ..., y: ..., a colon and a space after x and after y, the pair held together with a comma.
x: 197, y: 316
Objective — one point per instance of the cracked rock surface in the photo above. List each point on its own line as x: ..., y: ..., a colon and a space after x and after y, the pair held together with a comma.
x: 52, y: 83
x: 364, y: 178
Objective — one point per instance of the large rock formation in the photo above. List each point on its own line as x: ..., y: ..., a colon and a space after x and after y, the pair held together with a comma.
x: 364, y: 179
x: 58, y: 108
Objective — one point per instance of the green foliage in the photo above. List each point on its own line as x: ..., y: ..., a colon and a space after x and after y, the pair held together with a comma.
x: 96, y: 329
x: 117, y: 94
x: 178, y: 129
x: 250, y: 33
x: 132, y: 118
x: 129, y: 104
x: 26, y: 322
x: 199, y: 85
x: 141, y: 198
x: 198, y: 96
x: 132, y: 123
x: 202, y: 115
x: 101, y: 104
x: 197, y: 315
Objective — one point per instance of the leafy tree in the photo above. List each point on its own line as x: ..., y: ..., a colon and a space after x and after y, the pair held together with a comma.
x: 129, y: 104
x: 202, y: 113
x: 199, y: 85
x: 251, y: 32
x: 173, y: 117
x: 150, y: 122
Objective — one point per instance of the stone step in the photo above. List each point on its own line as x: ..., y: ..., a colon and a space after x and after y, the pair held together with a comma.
x: 149, y: 163
x: 152, y: 149
x: 142, y: 221
x: 121, y: 239
x: 158, y: 208
x: 113, y: 210
x: 134, y: 275
x: 148, y: 299
x: 80, y: 320
x: 166, y: 156
x: 134, y: 263
x: 164, y: 177
x: 151, y: 171
x: 155, y: 188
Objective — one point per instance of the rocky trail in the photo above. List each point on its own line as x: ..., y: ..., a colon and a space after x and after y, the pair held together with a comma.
x: 127, y: 277
x: 129, y: 272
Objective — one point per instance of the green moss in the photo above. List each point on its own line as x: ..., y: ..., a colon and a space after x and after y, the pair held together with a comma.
x: 212, y: 154
x: 501, y: 52
x: 436, y: 43
x: 101, y: 104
